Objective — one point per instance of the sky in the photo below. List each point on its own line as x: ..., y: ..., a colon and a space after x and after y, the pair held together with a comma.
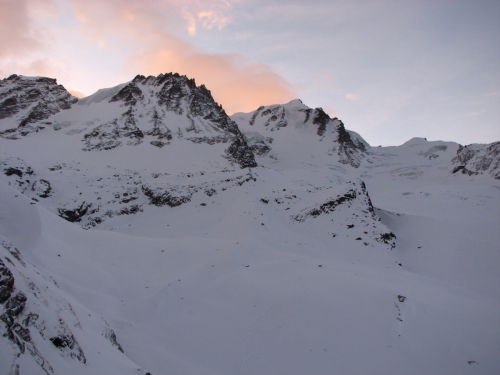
x: 390, y: 70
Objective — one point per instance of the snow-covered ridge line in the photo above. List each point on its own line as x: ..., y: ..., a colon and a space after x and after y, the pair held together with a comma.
x: 297, y: 121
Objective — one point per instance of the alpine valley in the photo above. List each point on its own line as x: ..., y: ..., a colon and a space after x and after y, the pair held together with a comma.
x: 143, y: 230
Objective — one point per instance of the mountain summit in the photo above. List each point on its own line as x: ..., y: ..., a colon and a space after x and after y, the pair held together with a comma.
x: 300, y: 127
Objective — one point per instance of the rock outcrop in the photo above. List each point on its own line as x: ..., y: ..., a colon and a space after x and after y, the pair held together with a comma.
x: 295, y: 122
x: 477, y: 159
x: 30, y: 100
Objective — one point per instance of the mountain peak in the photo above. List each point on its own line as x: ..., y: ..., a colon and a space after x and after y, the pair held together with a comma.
x: 283, y: 127
x: 29, y: 100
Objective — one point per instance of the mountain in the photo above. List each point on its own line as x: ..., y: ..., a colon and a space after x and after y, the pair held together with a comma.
x: 300, y: 127
x: 143, y: 230
x: 29, y: 100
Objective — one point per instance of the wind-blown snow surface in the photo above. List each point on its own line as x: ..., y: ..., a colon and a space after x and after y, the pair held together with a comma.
x: 290, y: 267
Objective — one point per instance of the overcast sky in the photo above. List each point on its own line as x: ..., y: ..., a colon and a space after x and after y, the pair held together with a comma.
x: 390, y: 70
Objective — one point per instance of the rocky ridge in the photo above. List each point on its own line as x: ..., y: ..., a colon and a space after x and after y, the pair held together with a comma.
x: 295, y: 117
x: 154, y: 104
x: 38, y: 320
x: 477, y: 159
x: 29, y: 101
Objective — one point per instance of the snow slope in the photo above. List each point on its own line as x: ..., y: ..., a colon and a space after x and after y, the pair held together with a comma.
x: 327, y: 257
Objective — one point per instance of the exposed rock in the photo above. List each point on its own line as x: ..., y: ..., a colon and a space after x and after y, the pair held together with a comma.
x: 74, y: 214
x: 31, y: 100
x: 19, y: 172
x: 320, y: 118
x: 13, y: 308
x: 12, y: 250
x: 331, y: 205
x: 42, y: 188
x: 348, y: 152
x: 255, y: 114
x: 168, y: 195
x: 111, y: 336
x: 277, y: 119
x: 68, y: 345
x: 178, y: 95
x: 477, y: 159
x: 259, y: 144
x: 210, y: 140
x: 387, y: 238
x: 353, y: 191
x: 240, y: 153
x: 111, y: 134
x: 348, y: 146
x: 159, y: 129
x: 129, y: 94
x: 6, y: 282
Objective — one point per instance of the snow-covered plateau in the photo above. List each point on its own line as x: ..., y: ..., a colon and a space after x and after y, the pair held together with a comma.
x: 143, y: 230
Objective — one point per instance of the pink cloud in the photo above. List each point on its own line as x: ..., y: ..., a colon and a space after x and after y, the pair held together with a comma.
x: 16, y: 28
x: 146, y: 32
x: 351, y: 96
x: 149, y: 37
x: 76, y: 93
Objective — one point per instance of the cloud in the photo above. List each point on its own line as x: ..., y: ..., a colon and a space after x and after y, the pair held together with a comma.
x: 152, y: 37
x: 26, y: 41
x: 147, y: 34
x: 76, y: 93
x: 16, y: 28
x: 324, y: 80
x: 351, y: 96
x: 332, y: 112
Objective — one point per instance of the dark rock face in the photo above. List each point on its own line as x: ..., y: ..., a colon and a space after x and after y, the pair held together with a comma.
x: 240, y: 153
x: 130, y: 94
x: 320, y: 118
x: 259, y: 144
x: 110, y: 135
x: 13, y: 251
x: 13, y: 308
x: 159, y: 129
x: 22, y: 177
x: 168, y: 195
x: 18, y: 334
x: 19, y: 172
x: 256, y: 113
x: 42, y: 188
x: 31, y: 99
x: 277, y: 119
x: 6, y: 282
x: 207, y: 122
x: 111, y: 336
x: 75, y: 214
x: 477, y: 159
x: 39, y: 310
x: 349, y: 152
x: 353, y: 196
x: 353, y: 190
x: 387, y: 238
x: 332, y: 204
x: 67, y: 344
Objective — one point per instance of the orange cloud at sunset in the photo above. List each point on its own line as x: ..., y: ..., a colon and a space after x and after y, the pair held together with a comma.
x: 76, y: 93
x: 146, y: 32
x: 17, y: 30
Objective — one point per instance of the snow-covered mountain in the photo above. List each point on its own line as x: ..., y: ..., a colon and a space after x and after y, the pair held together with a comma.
x: 144, y: 230
x: 300, y: 127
